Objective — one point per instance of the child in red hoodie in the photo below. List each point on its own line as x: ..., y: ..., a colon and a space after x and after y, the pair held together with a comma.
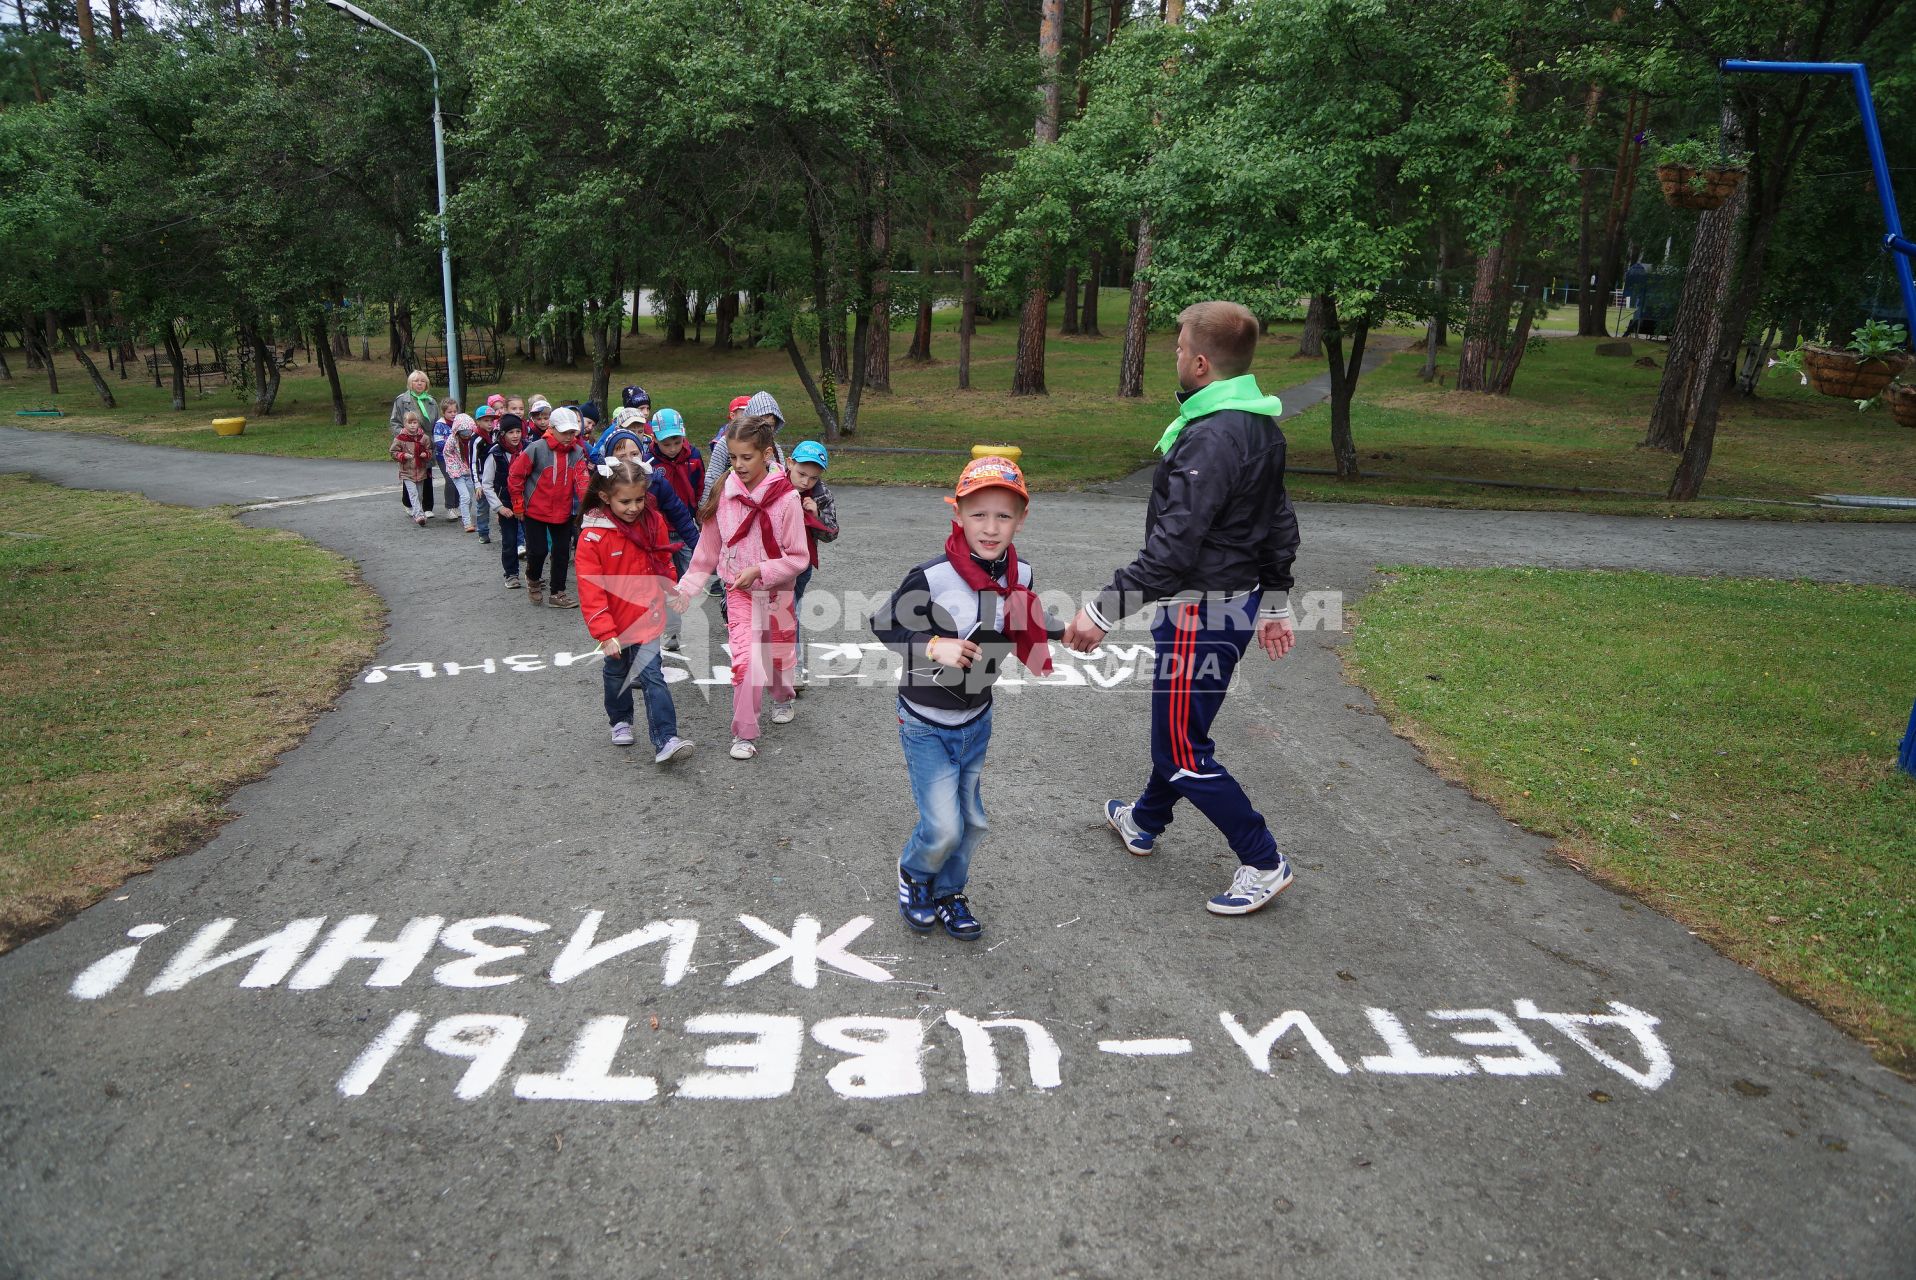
x: 547, y: 481
x: 625, y: 567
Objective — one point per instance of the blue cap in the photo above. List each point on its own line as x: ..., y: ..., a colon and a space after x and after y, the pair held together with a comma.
x: 635, y: 397
x: 812, y: 451
x: 667, y: 424
x: 484, y: 411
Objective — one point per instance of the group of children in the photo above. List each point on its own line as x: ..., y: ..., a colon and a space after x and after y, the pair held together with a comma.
x: 648, y: 525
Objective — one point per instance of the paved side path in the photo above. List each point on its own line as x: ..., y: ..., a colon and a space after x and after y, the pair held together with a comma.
x: 498, y: 998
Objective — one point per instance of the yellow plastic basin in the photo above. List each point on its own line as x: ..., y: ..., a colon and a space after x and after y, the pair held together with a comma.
x: 230, y: 426
x: 1010, y: 451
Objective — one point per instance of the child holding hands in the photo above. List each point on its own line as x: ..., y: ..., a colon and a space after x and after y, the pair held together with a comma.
x: 624, y: 567
x: 752, y: 531
x: 955, y: 618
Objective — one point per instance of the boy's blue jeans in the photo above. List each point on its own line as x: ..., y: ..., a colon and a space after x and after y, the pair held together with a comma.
x: 947, y: 771
x: 661, y: 716
x: 798, y: 616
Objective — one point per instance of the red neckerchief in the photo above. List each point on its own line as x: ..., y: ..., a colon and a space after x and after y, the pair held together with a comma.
x: 1024, y: 616
x: 650, y: 536
x: 679, y: 471
x: 761, y: 513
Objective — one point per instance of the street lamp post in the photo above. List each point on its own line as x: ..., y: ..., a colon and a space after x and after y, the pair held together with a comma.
x: 359, y: 15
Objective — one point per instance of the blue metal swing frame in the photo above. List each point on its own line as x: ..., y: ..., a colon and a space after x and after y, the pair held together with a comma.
x: 1901, y: 248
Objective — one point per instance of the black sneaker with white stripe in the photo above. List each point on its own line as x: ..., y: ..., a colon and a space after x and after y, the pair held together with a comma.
x: 954, y: 913
x: 915, y: 904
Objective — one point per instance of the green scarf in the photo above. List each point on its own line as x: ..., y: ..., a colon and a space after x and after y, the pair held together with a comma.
x: 1232, y: 393
x: 427, y: 409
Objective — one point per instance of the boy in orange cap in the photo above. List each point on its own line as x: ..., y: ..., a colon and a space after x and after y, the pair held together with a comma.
x: 955, y: 618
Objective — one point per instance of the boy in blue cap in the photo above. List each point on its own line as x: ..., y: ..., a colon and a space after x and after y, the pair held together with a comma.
x: 807, y: 472
x: 683, y: 466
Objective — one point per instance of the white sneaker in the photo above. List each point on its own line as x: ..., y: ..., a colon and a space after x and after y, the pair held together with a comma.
x: 1251, y: 889
x: 743, y: 748
x: 674, y: 748
x: 622, y: 734
x: 782, y: 712
x: 452, y: 515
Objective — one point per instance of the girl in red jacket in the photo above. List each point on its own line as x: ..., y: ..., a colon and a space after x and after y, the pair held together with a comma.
x: 625, y: 568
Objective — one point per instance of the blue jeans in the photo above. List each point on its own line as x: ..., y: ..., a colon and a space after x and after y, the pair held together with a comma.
x: 947, y: 769
x: 798, y: 626
x: 481, y: 511
x: 661, y: 716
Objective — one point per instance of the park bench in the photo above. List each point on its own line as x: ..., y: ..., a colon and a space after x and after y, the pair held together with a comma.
x: 198, y: 370
x: 474, y: 370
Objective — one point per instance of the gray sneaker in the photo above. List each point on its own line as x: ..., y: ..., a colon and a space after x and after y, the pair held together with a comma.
x: 513, y: 583
x: 1251, y: 888
x: 674, y: 748
x: 622, y: 734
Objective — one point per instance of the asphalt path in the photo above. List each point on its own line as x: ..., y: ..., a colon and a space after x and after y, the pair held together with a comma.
x: 1442, y: 1053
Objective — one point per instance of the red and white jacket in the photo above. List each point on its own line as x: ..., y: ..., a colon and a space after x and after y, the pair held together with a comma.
x: 621, y: 584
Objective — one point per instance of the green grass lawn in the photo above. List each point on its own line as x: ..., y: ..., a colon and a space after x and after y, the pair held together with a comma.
x: 152, y: 658
x: 1573, y: 420
x: 1723, y: 750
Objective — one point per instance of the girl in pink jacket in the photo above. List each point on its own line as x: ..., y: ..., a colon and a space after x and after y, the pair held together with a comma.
x: 752, y: 531
x: 459, y: 466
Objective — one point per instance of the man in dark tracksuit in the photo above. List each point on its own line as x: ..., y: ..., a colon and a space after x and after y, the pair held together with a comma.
x: 1220, y: 536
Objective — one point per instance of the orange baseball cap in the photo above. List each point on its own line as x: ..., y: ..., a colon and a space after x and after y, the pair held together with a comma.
x: 990, y: 473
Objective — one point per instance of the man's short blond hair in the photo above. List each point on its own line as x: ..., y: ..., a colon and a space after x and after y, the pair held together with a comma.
x: 1223, y: 332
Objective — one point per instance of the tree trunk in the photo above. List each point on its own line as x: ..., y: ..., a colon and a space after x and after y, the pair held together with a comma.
x: 1344, y: 375
x: 1519, y: 343
x: 700, y: 303
x: 404, y: 353
x: 601, y: 353
x: 725, y: 320
x: 1088, y: 314
x: 83, y: 17
x: 46, y: 355
x: 1137, y: 321
x: 1593, y: 304
x: 827, y: 412
x: 265, y: 372
x: 927, y: 287
x: 1692, y: 345
x: 676, y: 309
x: 6, y: 370
x: 86, y: 361
x: 968, y: 286
x: 1070, y: 325
x: 1311, y: 343
x: 1483, y: 327
x: 877, y: 356
x: 1027, y: 379
x: 328, y: 356
x: 176, y: 360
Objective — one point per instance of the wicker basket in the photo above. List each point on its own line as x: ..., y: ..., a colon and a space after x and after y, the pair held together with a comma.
x: 1902, y: 403
x: 1846, y: 375
x: 1680, y: 193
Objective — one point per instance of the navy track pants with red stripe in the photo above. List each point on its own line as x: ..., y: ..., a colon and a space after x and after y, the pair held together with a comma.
x: 1198, y: 647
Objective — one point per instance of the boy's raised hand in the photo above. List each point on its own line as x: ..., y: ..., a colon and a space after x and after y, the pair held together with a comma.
x: 950, y: 651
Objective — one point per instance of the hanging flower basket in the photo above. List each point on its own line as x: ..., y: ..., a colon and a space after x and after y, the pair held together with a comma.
x: 1846, y: 375
x: 1685, y: 187
x: 1901, y: 397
